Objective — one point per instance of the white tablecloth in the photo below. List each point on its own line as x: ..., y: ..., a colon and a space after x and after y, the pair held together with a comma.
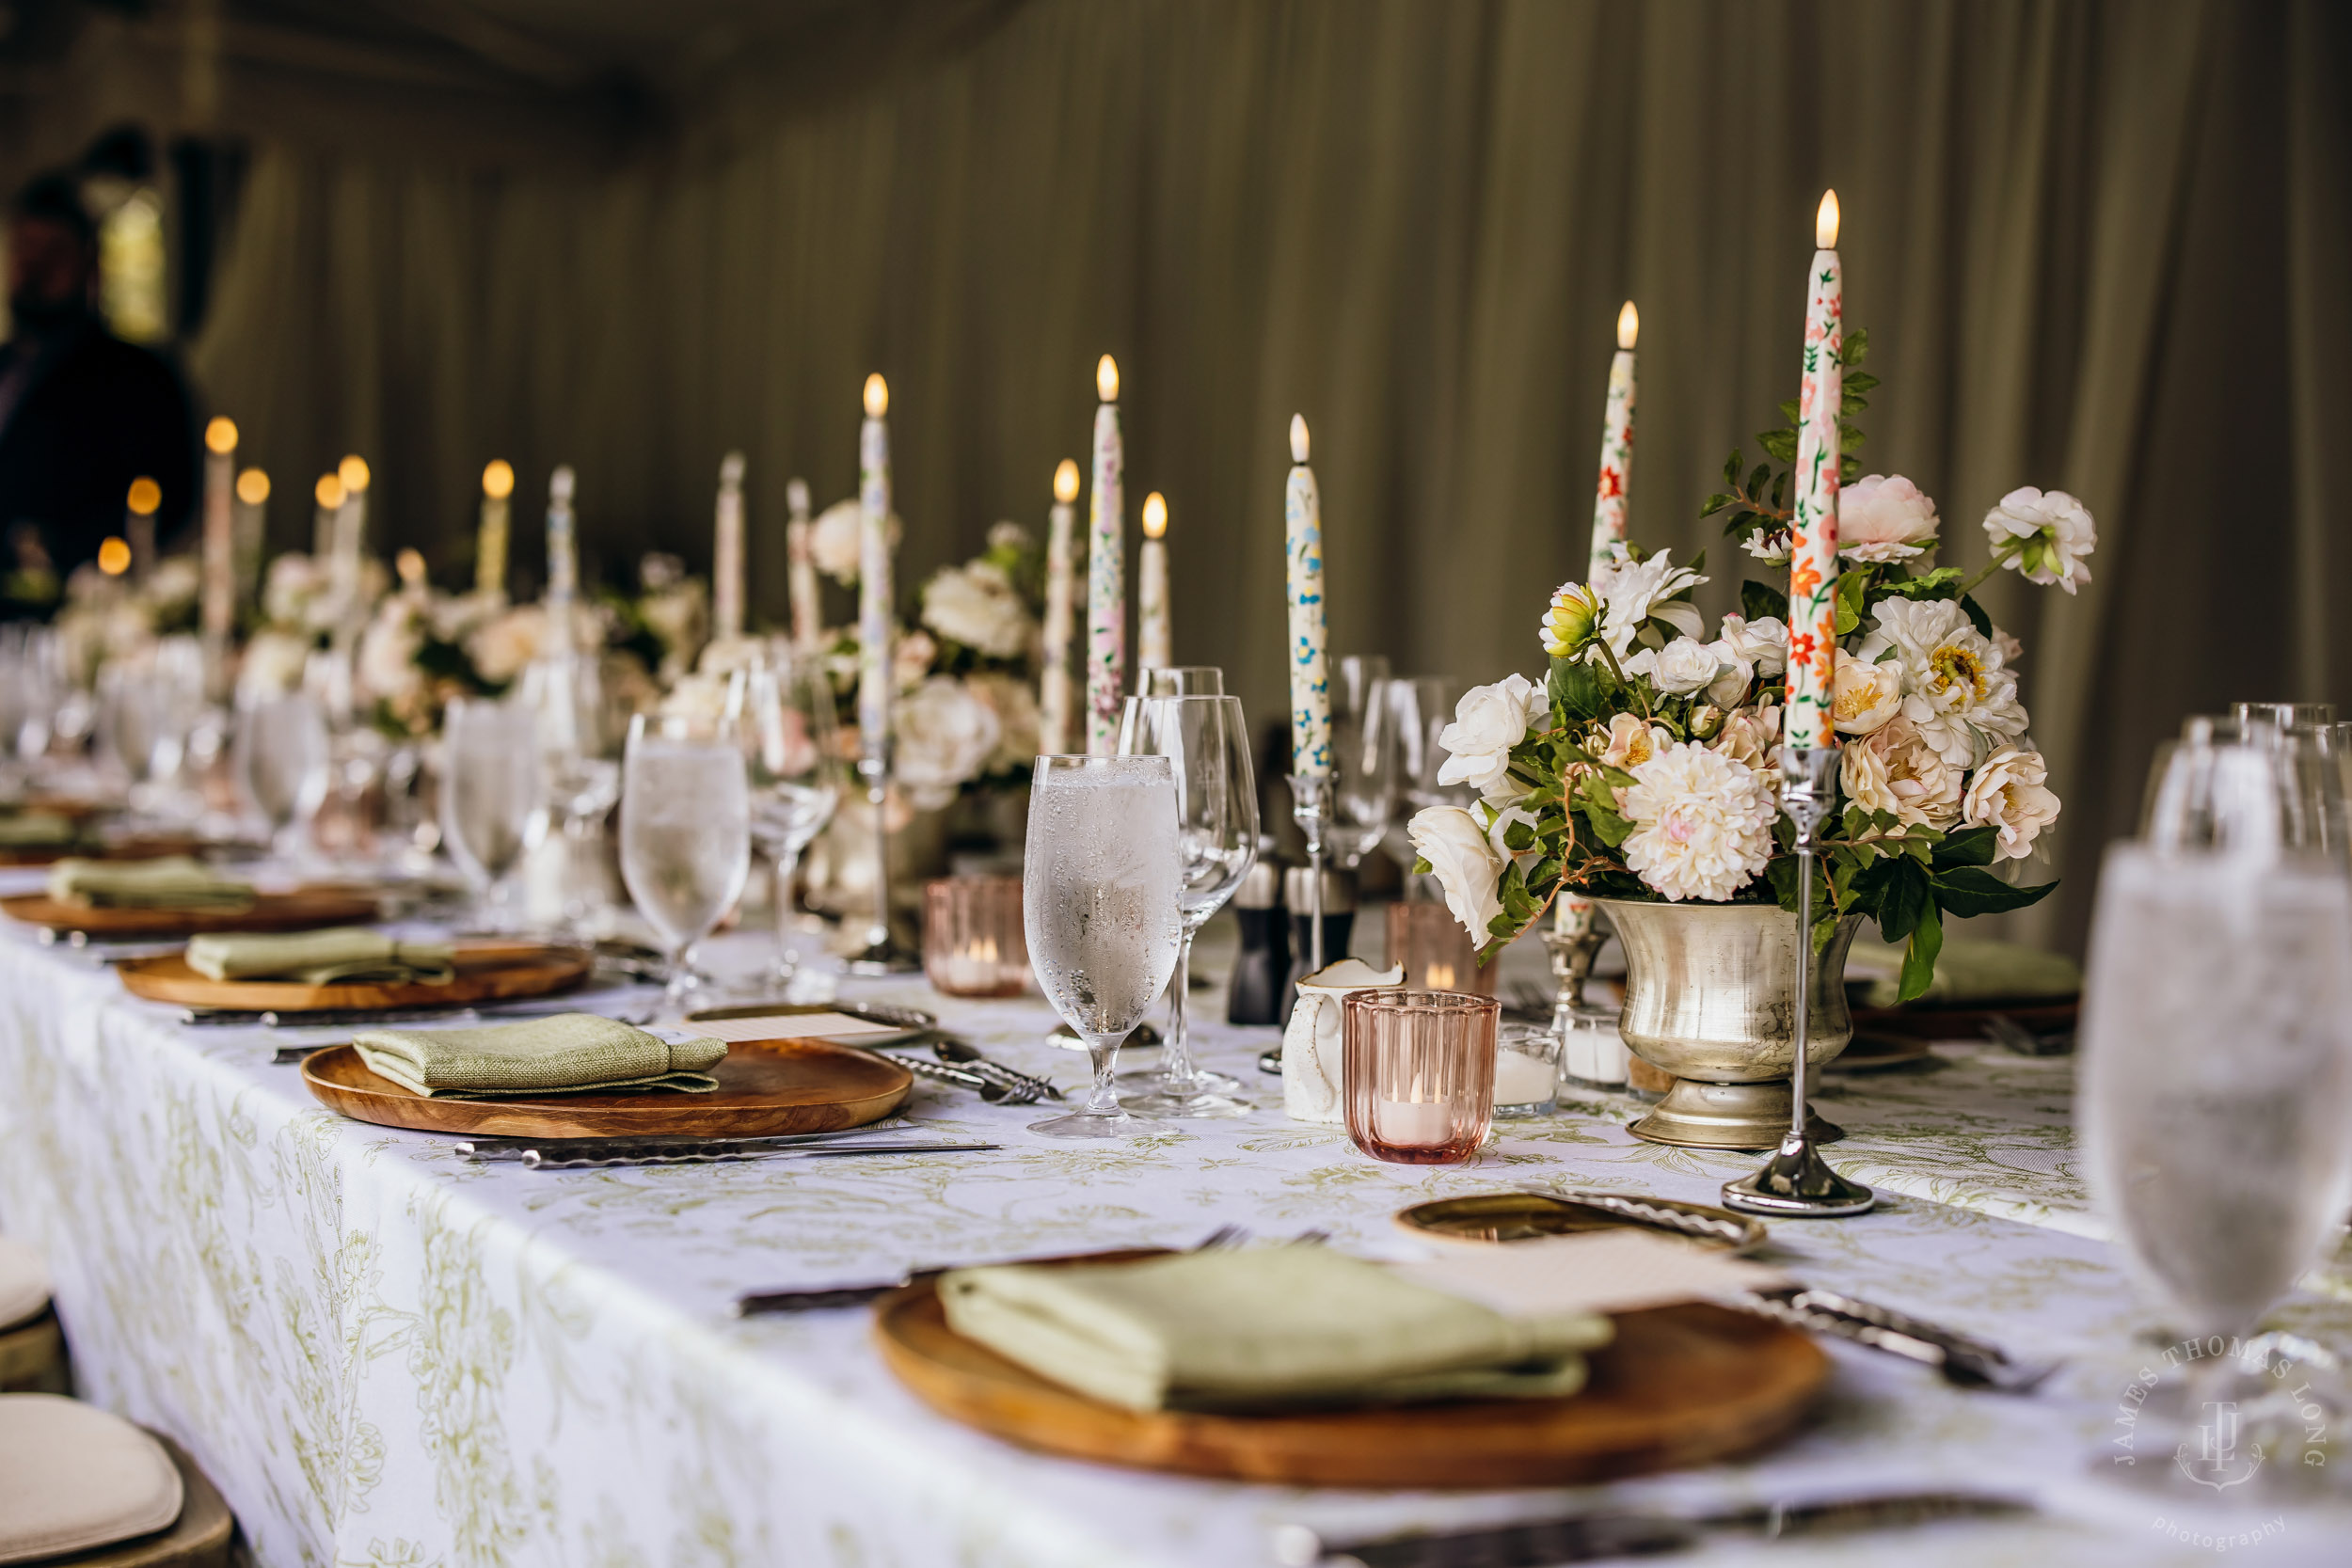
x: 385, y: 1355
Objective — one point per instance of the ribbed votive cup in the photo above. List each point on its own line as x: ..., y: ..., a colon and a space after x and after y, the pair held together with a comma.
x: 1419, y: 1071
x: 973, y: 941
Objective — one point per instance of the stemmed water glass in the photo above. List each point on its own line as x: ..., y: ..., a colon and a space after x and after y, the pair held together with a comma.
x: 1099, y: 886
x: 686, y: 830
x: 146, y: 708
x: 783, y: 706
x: 1206, y: 741
x: 493, y: 808
x: 1363, y: 754
x: 1420, y: 709
x: 564, y: 697
x: 279, y: 757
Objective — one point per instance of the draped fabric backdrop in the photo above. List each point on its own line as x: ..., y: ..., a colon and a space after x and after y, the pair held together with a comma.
x: 2099, y: 247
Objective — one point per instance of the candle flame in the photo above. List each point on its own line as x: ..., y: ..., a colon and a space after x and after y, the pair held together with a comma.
x: 221, y: 436
x: 559, y: 485
x: 498, y: 479
x: 1154, y: 515
x: 1825, y: 223
x: 353, y: 472
x: 1066, y: 482
x: 1298, y: 438
x: 409, y: 563
x: 114, y: 558
x: 146, y: 495
x: 731, y: 471
x: 1629, y: 325
x: 1106, y: 378
x: 253, y: 487
x: 329, y: 491
x: 877, y: 396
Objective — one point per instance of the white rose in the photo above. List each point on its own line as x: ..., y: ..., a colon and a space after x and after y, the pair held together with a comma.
x: 977, y: 606
x: 1466, y: 866
x: 834, y: 540
x: 2045, y: 536
x: 945, y: 735
x: 1883, y: 518
x: 1763, y: 644
x: 1014, y: 703
x: 1636, y: 590
x: 1487, y: 722
x: 2009, y: 793
x: 1956, y: 687
x: 1702, y: 824
x: 1892, y: 770
x: 1863, y: 697
x: 1683, y: 666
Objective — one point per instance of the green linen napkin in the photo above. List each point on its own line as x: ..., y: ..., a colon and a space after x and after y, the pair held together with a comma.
x: 37, y: 829
x: 1261, y: 1328
x: 1969, y: 972
x: 347, y: 955
x: 568, y: 1053
x: 173, y: 883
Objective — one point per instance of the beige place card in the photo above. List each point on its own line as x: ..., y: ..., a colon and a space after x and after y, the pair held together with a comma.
x: 778, y: 1026
x: 1599, y: 1271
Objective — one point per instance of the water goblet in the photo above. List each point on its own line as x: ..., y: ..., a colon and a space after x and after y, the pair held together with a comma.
x: 563, y: 697
x: 783, y: 709
x: 493, y: 808
x: 1363, y: 756
x: 279, y: 757
x: 686, y: 830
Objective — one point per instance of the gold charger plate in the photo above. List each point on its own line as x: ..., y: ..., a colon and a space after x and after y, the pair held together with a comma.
x: 304, y: 909
x: 1524, y: 1216
x: 766, y: 1087
x: 486, y: 972
x: 1680, y: 1386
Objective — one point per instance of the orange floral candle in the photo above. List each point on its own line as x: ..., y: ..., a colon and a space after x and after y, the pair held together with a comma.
x: 1813, y: 530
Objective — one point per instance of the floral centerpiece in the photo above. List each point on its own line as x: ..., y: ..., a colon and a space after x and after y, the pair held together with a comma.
x: 1646, y: 766
x: 112, y: 619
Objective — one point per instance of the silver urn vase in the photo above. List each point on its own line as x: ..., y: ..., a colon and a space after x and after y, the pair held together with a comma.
x: 1710, y: 997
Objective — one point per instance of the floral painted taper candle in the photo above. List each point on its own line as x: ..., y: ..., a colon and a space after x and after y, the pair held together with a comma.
x: 1106, y: 573
x: 1813, y: 530
x: 1615, y: 483
x: 873, y: 573
x: 800, y: 568
x: 1154, y: 635
x: 727, y: 552
x: 351, y: 528
x: 220, y: 545
x: 494, y: 529
x: 1052, y: 694
x: 328, y: 495
x: 251, y: 531
x: 1310, y: 662
x: 563, y: 560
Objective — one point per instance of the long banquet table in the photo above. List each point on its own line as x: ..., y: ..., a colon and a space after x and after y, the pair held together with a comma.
x: 385, y: 1354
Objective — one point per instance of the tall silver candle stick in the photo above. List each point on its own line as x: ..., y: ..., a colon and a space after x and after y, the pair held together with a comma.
x: 1796, y: 1182
x: 882, y: 953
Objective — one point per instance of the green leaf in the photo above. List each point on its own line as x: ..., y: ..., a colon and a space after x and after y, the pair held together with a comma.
x: 1731, y: 468
x: 1852, y: 586
x: 1859, y: 381
x: 1789, y: 411
x: 1781, y: 444
x: 1575, y: 690
x: 1519, y: 837
x: 1421, y: 866
x: 1608, y: 826
x: 1902, y: 899
x: 1977, y: 617
x: 1967, y: 890
x: 1780, y: 485
x: 1715, y: 503
x: 1927, y: 940
x: 1761, y: 601
x: 1941, y: 583
x: 1966, y: 846
x: 1857, y: 347
x: 1755, y: 480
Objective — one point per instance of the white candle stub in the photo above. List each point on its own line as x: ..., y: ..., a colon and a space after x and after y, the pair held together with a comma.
x: 1523, y: 1080
x: 1412, y: 1123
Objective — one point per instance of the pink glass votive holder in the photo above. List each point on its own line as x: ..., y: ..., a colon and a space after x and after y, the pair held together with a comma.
x: 1420, y: 1073
x: 1436, y: 953
x: 972, y: 939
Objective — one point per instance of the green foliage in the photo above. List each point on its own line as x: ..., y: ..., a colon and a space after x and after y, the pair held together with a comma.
x: 1761, y: 601
x: 1757, y: 500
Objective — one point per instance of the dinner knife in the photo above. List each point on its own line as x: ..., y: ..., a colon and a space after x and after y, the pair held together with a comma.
x: 660, y: 1154
x: 496, y: 1148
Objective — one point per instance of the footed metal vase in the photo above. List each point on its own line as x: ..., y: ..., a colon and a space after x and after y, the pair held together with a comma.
x: 1710, y: 997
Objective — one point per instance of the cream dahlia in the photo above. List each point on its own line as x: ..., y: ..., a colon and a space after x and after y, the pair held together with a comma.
x: 1702, y: 824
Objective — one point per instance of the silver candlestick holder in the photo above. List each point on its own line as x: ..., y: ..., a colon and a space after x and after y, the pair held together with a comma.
x: 1310, y: 804
x: 1796, y: 1182
x: 883, y: 953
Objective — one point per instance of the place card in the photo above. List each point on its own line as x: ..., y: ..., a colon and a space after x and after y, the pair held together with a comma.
x: 795, y: 1026
x: 1600, y: 1271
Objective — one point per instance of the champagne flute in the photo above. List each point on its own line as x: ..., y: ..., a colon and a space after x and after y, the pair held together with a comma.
x: 492, y: 805
x: 1206, y: 741
x: 280, y: 760
x: 1099, y: 903
x: 783, y: 706
x: 1363, y: 756
x: 686, y: 830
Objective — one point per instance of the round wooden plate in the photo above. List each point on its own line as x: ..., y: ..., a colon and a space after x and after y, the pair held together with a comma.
x: 151, y: 846
x: 1685, y: 1385
x: 488, y: 972
x: 766, y: 1087
x: 305, y: 910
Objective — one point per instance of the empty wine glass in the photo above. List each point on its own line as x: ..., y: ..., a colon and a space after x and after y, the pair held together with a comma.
x: 1099, y: 902
x: 493, y: 805
x: 686, y: 830
x: 782, y: 706
x: 2216, y: 1108
x: 1420, y: 709
x: 563, y: 696
x: 279, y: 757
x: 1363, y: 756
x: 2284, y: 715
x: 1206, y: 742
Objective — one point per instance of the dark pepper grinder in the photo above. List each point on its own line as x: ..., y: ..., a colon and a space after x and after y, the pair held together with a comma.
x: 1264, y: 962
x: 1339, y: 920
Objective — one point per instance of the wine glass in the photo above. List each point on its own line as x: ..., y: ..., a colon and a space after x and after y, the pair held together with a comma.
x: 2284, y: 715
x: 493, y: 808
x: 280, y: 760
x: 563, y: 692
x: 1206, y: 741
x: 1363, y: 754
x: 2217, y: 1109
x: 145, y: 710
x: 783, y: 709
x: 1184, y: 680
x: 1099, y: 903
x: 1419, y: 707
x: 686, y: 830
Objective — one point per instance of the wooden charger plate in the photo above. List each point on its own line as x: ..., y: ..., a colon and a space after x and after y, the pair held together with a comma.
x: 305, y: 910
x: 149, y: 847
x: 488, y: 972
x: 1680, y: 1386
x: 766, y: 1087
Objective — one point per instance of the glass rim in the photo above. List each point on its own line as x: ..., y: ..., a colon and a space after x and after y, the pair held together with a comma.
x: 992, y: 880
x: 1058, y: 762
x: 1417, y: 999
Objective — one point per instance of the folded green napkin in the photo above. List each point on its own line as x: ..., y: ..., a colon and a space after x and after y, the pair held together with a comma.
x: 1261, y: 1328
x: 568, y: 1053
x: 347, y: 954
x: 173, y: 883
x: 37, y: 829
x: 1969, y: 972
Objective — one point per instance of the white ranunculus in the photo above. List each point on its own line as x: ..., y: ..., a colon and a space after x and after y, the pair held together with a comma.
x: 1487, y: 722
x: 1883, y: 518
x: 945, y: 735
x: 1863, y: 697
x: 1763, y: 644
x: 834, y: 540
x: 1892, y: 770
x: 2010, y: 793
x: 1466, y: 865
x: 1751, y: 737
x: 1685, y: 665
x: 1636, y: 590
x: 1957, y: 689
x: 979, y: 606
x: 2044, y: 536
x: 1702, y: 824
